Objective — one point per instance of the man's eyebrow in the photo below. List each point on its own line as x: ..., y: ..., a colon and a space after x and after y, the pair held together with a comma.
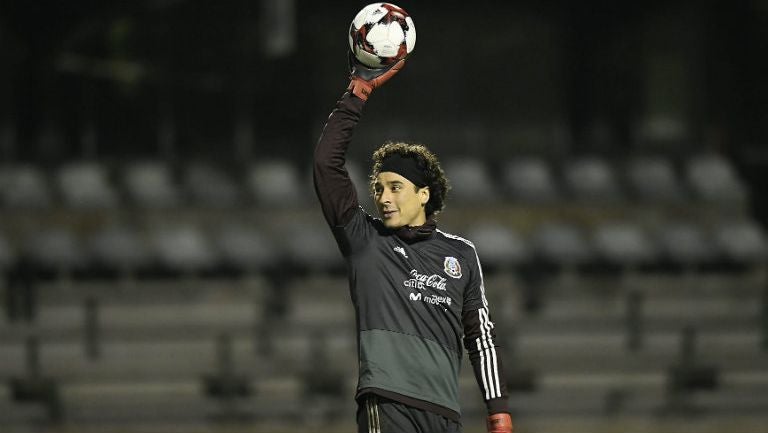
x: 389, y: 182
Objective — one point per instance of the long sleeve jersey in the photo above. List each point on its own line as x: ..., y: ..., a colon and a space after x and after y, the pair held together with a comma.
x: 417, y: 299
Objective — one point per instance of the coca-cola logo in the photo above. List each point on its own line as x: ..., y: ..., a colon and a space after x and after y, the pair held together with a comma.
x: 423, y: 281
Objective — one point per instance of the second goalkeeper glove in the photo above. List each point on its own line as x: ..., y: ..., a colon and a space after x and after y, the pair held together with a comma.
x: 499, y: 423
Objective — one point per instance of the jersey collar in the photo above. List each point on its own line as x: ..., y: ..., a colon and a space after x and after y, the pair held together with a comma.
x: 418, y: 233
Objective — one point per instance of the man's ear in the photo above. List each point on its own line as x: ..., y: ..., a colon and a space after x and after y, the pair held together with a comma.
x: 424, y: 196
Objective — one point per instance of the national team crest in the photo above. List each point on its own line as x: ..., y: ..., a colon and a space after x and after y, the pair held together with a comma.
x: 452, y: 267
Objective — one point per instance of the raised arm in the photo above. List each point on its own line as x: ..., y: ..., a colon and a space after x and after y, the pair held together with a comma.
x: 333, y: 186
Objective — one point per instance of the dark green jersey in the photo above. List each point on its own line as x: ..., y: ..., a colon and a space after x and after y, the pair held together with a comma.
x: 418, y: 294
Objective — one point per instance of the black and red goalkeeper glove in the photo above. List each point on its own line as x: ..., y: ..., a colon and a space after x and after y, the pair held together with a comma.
x: 363, y: 80
x: 500, y: 423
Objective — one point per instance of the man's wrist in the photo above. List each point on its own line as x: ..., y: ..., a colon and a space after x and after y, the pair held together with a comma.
x: 360, y: 88
x: 497, y: 405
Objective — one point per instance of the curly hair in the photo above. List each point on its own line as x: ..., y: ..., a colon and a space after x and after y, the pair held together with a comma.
x: 427, y: 161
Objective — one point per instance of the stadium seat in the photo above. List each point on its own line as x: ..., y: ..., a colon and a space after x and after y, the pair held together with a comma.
x: 55, y: 249
x: 245, y: 248
x: 319, y: 302
x: 561, y: 244
x: 498, y: 246
x: 118, y: 248
x: 276, y: 183
x: 24, y: 186
x: 86, y: 185
x: 713, y: 179
x: 470, y: 181
x: 182, y: 248
x: 311, y: 247
x: 685, y: 245
x: 653, y: 179
x: 591, y: 179
x: 624, y: 244
x: 742, y: 242
x: 7, y: 253
x: 150, y: 184
x: 530, y: 180
x: 209, y: 186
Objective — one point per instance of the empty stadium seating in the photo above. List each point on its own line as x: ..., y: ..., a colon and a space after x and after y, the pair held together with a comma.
x: 188, y: 294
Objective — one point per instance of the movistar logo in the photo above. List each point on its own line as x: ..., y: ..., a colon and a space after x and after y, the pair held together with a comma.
x: 431, y: 299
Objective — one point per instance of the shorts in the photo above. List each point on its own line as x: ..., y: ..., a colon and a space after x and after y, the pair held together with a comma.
x: 377, y: 414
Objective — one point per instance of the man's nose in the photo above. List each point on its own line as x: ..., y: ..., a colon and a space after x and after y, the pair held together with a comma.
x: 384, y: 197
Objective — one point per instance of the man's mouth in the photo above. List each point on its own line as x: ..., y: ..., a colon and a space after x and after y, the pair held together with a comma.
x: 387, y: 213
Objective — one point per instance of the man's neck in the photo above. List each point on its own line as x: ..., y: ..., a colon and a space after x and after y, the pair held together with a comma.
x: 417, y: 233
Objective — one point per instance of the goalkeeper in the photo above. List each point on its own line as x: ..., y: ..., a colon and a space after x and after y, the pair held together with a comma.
x: 417, y: 291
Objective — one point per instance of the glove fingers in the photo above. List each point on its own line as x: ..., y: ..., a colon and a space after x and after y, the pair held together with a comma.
x: 389, y: 73
x: 364, y: 80
x: 368, y: 74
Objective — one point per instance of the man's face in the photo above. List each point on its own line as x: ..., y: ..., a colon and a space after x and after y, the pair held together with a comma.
x: 399, y: 202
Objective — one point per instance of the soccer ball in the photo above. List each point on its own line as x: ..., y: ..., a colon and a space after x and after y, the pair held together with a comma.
x: 381, y: 34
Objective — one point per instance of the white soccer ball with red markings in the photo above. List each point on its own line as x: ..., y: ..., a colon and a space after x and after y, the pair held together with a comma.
x: 381, y: 34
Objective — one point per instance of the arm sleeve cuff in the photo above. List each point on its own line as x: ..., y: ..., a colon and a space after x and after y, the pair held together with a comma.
x: 497, y: 405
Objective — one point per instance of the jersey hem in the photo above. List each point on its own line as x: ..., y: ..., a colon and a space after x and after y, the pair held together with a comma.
x: 418, y: 402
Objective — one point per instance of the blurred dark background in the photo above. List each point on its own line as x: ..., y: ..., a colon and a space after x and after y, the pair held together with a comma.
x: 101, y: 79
x: 165, y: 264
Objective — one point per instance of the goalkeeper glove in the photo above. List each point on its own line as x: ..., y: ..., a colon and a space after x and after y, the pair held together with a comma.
x: 363, y: 80
x: 499, y: 423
